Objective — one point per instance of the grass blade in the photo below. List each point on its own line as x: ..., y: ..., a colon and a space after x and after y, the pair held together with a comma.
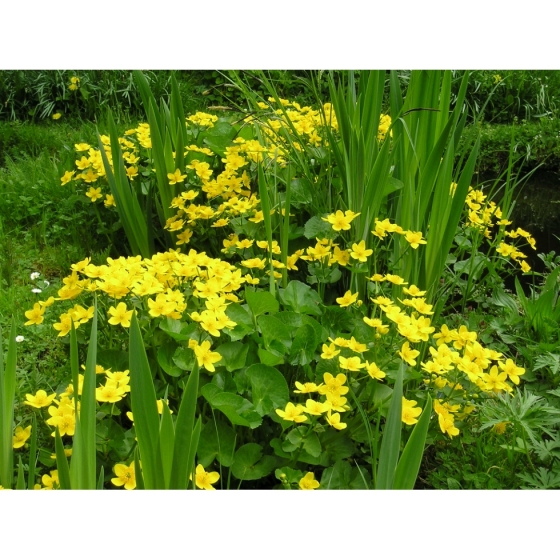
x: 166, y: 443
x: 20, y: 483
x: 7, y: 392
x: 184, y: 434
x: 390, y: 445
x: 32, y: 454
x: 144, y: 408
x: 101, y: 479
x: 61, y: 463
x: 409, y: 463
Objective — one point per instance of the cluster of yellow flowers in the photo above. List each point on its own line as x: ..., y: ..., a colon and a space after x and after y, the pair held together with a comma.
x: 483, y: 215
x: 74, y: 84
x: 333, y: 404
x: 155, y: 285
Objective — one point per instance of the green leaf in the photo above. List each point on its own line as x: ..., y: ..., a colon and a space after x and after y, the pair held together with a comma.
x: 409, y: 463
x: 274, y: 330
x: 186, y: 437
x: 184, y: 358
x: 261, y: 302
x: 238, y: 410
x: 337, y: 477
x: 166, y: 443
x: 301, y: 298
x: 101, y: 479
x: 165, y: 358
x: 244, y: 322
x: 20, y: 483
x: 177, y: 329
x: 84, y: 450
x: 144, y: 409
x: 301, y: 189
x: 61, y: 463
x: 234, y: 355
x: 390, y: 445
x: 304, y: 345
x: 317, y: 228
x: 269, y: 388
x: 217, y: 440
x: 249, y: 464
x: 32, y: 454
x: 268, y: 358
x: 312, y: 445
x: 7, y: 394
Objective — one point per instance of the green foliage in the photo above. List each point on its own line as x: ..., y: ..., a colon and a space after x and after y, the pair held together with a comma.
x: 38, y: 94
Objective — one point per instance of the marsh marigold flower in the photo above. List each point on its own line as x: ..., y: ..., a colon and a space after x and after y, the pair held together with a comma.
x: 410, y: 412
x: 204, y: 480
x: 308, y: 482
x: 292, y: 413
x: 40, y: 399
x: 21, y: 435
x: 125, y: 476
x: 347, y: 299
x: 120, y: 315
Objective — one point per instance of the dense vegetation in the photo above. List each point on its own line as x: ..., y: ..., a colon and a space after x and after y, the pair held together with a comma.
x: 232, y: 244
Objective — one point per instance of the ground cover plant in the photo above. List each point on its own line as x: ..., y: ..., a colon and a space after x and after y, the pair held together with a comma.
x: 290, y: 308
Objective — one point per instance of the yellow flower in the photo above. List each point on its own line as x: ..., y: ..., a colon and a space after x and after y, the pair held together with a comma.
x: 204, y: 480
x: 308, y: 482
x: 94, y: 193
x: 125, y: 476
x: 410, y: 412
x: 347, y: 299
x: 176, y: 177
x: 56, y: 116
x: 340, y: 221
x: 359, y: 251
x: 292, y: 413
x: 109, y: 201
x: 51, y: 482
x: 40, y: 399
x: 351, y: 364
x: 334, y: 421
x: 305, y: 387
x: 35, y: 315
x: 205, y: 357
x: 408, y: 354
x: 414, y: 238
x: 500, y: 427
x: 315, y: 408
x: 447, y: 424
x: 374, y: 371
x: 333, y: 385
x: 120, y: 315
x: 329, y: 351
x: 67, y: 177
x: 109, y: 393
x: 21, y: 435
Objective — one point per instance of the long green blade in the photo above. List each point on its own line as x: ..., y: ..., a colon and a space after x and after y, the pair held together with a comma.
x: 61, y: 463
x: 7, y: 389
x: 184, y: 441
x: 20, y: 483
x: 32, y: 454
x: 409, y: 463
x: 390, y: 445
x: 101, y: 479
x: 166, y: 443
x: 144, y: 408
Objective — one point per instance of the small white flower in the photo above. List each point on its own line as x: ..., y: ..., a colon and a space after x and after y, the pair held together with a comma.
x: 36, y: 290
x: 19, y: 338
x: 35, y: 275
